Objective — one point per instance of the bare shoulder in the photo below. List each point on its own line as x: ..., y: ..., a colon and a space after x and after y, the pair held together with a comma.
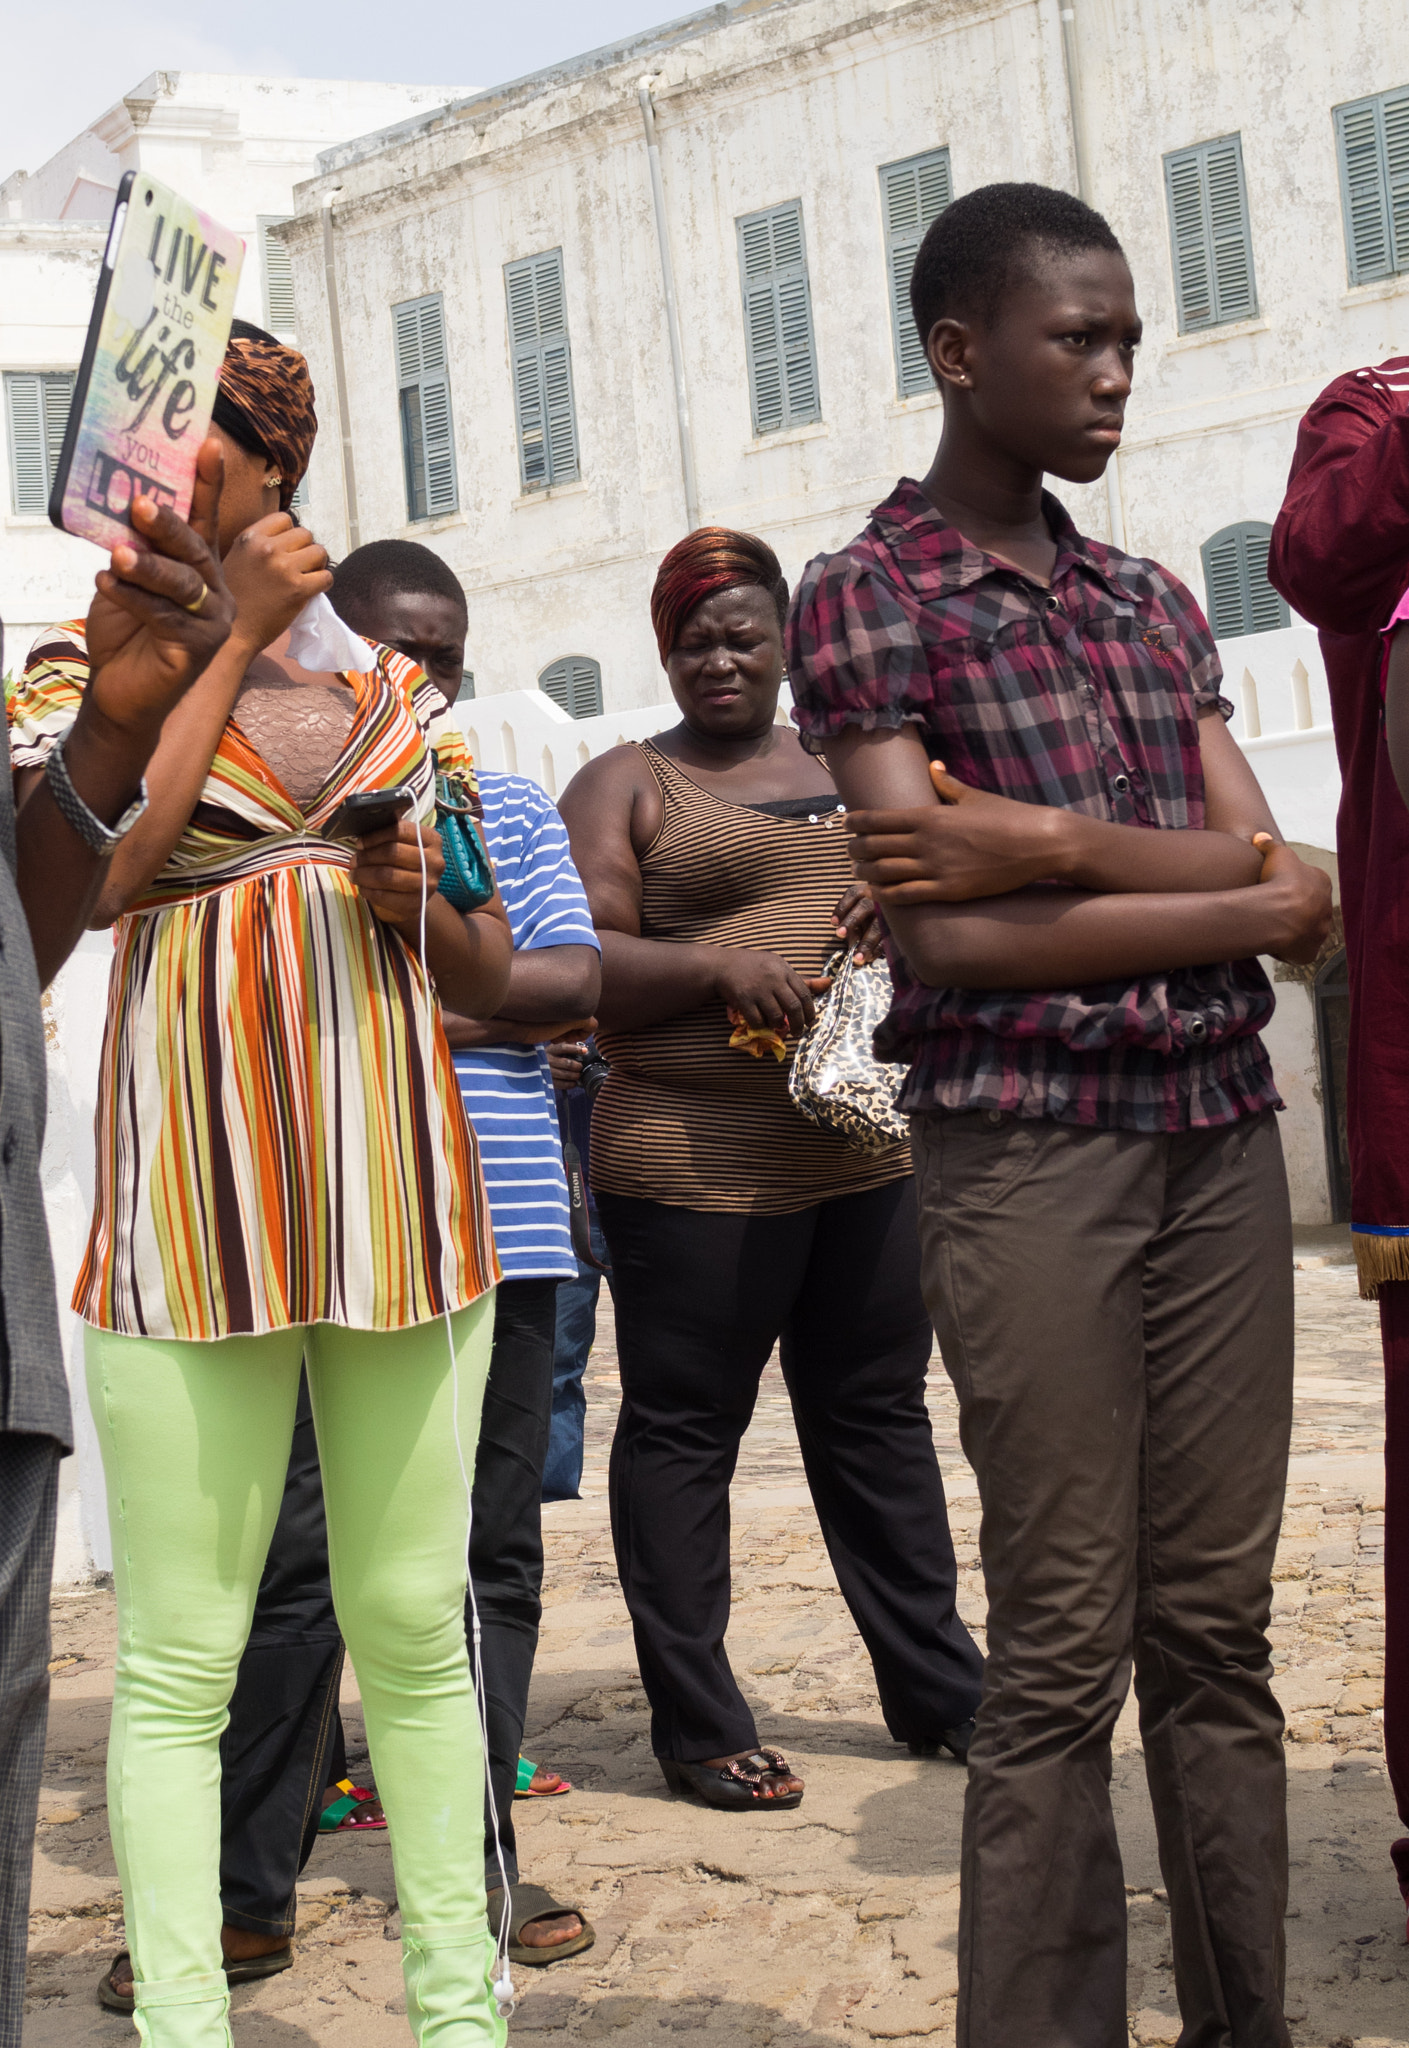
x: 609, y: 785
x: 612, y: 807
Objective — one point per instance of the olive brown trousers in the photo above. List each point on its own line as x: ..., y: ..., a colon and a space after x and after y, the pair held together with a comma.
x: 1115, y: 1311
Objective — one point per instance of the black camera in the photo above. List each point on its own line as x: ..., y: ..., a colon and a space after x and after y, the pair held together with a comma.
x: 593, y: 1073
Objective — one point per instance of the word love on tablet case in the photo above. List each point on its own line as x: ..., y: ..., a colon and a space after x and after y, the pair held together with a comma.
x: 142, y: 403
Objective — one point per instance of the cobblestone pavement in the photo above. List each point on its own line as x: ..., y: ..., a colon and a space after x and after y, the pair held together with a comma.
x: 834, y: 1924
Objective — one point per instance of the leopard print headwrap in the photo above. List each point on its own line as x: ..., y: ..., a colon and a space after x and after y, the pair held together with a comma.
x: 268, y: 389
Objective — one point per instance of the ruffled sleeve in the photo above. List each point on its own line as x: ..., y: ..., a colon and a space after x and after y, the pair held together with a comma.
x: 45, y: 703
x: 855, y: 655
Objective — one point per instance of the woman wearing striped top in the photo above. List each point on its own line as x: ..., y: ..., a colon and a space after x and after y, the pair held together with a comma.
x: 720, y: 881
x: 284, y: 1174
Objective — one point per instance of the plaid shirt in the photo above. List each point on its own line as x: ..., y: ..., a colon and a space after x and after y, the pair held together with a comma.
x: 1086, y: 695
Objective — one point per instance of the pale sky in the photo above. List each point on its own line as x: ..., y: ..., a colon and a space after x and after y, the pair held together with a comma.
x: 67, y: 64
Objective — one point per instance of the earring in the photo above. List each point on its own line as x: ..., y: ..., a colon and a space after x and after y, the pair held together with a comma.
x: 272, y: 483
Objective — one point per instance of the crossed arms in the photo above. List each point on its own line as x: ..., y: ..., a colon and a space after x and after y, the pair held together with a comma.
x: 955, y: 869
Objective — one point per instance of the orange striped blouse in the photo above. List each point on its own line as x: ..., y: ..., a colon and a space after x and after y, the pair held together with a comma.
x: 272, y: 1146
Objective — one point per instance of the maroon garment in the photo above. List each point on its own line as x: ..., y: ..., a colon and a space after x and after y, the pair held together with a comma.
x: 1394, y: 1336
x: 1340, y: 554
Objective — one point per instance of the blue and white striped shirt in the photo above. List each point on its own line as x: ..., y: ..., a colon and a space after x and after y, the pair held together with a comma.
x: 507, y: 1089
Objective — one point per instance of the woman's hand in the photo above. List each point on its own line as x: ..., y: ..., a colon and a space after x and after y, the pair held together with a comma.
x: 857, y: 923
x: 145, y: 644
x: 1303, y: 907
x: 273, y: 569
x: 765, y: 991
x: 975, y: 844
x: 387, y: 870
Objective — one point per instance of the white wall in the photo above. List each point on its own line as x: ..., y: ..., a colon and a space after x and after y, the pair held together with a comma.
x: 47, y: 275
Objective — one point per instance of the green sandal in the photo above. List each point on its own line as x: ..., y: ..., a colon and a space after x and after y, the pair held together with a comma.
x: 342, y: 1818
x: 523, y: 1783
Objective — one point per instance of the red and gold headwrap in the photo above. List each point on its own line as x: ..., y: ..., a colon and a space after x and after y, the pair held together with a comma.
x: 711, y: 559
x: 267, y: 389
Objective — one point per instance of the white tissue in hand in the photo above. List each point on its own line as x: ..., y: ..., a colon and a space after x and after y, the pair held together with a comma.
x: 318, y: 639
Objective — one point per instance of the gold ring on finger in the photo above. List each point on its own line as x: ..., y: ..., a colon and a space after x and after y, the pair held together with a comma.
x: 197, y: 604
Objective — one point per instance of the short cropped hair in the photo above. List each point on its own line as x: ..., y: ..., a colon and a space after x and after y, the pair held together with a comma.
x: 979, y: 247
x: 392, y: 568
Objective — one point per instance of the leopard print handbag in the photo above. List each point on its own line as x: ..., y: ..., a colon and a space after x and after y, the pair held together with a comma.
x: 836, y: 1080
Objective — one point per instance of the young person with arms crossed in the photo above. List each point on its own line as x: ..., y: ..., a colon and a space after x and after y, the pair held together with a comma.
x: 1075, y: 900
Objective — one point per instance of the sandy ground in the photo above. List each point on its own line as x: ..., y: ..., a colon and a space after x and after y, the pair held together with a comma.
x: 835, y: 1923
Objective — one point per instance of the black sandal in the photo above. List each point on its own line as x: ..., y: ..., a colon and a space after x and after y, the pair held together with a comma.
x: 248, y: 1971
x: 527, y: 1903
x: 735, y: 1785
x: 955, y: 1740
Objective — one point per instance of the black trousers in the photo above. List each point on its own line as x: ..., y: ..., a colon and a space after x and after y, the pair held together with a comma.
x: 29, y: 1493
x: 700, y: 1301
x: 506, y: 1539
x: 284, y: 1744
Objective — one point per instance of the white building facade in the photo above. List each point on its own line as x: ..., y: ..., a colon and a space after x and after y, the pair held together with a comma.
x: 498, y: 266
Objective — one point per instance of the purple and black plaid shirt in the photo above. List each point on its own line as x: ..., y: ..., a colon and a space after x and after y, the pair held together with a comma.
x: 1086, y: 695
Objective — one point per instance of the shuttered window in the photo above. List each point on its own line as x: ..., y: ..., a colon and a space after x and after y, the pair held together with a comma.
x: 1372, y: 142
x: 782, y: 357
x: 36, y: 413
x: 1240, y: 598
x: 575, y: 683
x: 466, y: 692
x: 427, y: 428
x: 913, y: 194
x: 1208, y: 227
x: 278, y: 271
x: 542, y: 363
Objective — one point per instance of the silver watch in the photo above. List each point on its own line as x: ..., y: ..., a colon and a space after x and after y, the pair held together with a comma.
x: 87, y: 824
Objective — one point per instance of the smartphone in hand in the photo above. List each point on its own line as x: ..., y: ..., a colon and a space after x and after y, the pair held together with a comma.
x: 367, y: 811
x: 156, y: 340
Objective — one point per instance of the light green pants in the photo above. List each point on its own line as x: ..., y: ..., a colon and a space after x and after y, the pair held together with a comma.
x: 195, y: 1440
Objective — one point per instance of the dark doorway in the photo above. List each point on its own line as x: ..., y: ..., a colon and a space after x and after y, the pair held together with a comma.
x: 1331, y: 995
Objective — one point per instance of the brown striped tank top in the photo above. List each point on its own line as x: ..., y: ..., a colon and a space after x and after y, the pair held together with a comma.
x: 682, y: 1119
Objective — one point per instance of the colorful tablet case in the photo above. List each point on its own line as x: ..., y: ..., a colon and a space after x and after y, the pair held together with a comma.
x: 142, y: 403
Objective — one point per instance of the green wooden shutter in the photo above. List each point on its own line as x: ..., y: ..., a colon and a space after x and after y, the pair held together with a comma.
x: 782, y: 358
x: 278, y: 270
x: 1372, y: 144
x: 575, y: 683
x: 913, y: 194
x: 36, y: 413
x: 1210, y: 235
x: 1240, y: 598
x: 542, y: 369
x: 427, y: 424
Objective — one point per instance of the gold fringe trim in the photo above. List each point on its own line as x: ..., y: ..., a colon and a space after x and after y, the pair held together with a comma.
x: 1377, y: 1260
